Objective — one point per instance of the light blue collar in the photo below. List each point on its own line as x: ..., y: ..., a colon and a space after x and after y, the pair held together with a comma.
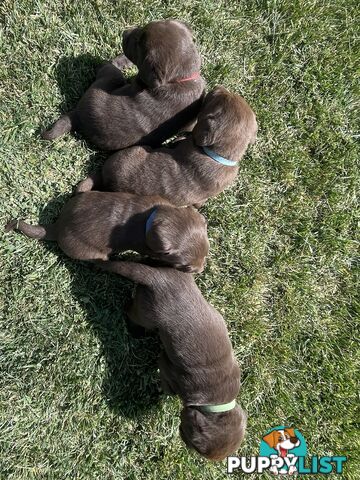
x: 150, y: 220
x: 218, y: 158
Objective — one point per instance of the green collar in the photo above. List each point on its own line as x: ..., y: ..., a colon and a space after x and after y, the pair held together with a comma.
x: 224, y: 407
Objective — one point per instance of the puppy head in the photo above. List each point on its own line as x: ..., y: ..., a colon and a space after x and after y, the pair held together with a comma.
x: 213, y: 435
x: 163, y: 51
x: 178, y: 236
x: 225, y: 119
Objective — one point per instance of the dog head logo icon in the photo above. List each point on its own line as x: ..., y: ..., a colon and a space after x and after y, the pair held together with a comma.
x: 283, y: 445
x: 282, y: 440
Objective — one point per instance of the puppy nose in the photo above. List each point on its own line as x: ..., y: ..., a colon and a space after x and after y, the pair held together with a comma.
x: 293, y: 440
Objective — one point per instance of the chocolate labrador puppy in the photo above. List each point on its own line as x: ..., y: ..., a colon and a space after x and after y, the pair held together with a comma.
x: 197, y: 363
x: 95, y: 225
x: 164, y: 97
x: 193, y: 169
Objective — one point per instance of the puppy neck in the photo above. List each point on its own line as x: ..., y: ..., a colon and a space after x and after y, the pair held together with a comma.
x: 219, y: 388
x: 150, y: 220
x: 229, y: 148
x: 133, y: 235
x: 216, y: 408
x: 193, y: 76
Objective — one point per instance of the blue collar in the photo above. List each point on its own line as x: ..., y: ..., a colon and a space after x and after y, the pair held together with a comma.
x: 150, y: 220
x: 218, y: 158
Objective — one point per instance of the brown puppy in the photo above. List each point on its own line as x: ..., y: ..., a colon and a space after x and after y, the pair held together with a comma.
x: 94, y: 225
x: 164, y: 97
x: 197, y: 363
x: 186, y: 174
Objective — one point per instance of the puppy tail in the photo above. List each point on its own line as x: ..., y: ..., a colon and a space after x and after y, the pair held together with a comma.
x: 137, y: 272
x: 39, y: 232
x: 61, y: 126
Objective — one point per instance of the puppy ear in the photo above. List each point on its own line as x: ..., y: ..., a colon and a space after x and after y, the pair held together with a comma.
x: 157, y: 243
x: 291, y: 432
x: 205, y: 131
x: 193, y: 429
x: 149, y: 71
x: 215, y: 437
x: 253, y: 140
x: 254, y: 136
x: 157, y: 240
x: 271, y: 438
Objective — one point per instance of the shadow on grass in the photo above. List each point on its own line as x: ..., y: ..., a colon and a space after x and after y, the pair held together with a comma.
x: 131, y: 382
x: 130, y: 385
x: 74, y: 76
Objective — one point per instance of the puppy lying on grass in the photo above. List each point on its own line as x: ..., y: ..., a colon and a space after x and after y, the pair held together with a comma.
x: 164, y: 97
x: 194, y: 169
x: 95, y: 225
x: 197, y: 363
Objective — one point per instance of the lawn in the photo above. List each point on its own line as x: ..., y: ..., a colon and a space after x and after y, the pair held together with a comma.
x: 79, y: 397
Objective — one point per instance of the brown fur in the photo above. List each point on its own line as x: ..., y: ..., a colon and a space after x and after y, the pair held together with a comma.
x: 114, y: 113
x: 95, y: 225
x: 184, y: 174
x: 197, y: 363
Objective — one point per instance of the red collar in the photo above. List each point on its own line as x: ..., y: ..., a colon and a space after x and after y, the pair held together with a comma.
x: 194, y: 76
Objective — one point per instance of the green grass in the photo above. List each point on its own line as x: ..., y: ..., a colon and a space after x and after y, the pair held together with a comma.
x: 78, y: 396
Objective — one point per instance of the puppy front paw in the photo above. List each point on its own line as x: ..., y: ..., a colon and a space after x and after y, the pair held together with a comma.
x: 121, y: 62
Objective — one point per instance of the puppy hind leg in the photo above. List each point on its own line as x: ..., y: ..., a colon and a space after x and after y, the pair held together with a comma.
x: 92, y: 182
x: 63, y: 125
x: 39, y: 232
x: 109, y: 78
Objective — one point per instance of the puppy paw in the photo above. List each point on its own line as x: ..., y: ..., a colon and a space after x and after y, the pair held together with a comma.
x: 121, y: 62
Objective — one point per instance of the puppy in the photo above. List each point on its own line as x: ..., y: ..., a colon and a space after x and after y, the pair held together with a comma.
x: 195, y: 168
x: 197, y: 363
x: 164, y: 97
x: 95, y: 225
